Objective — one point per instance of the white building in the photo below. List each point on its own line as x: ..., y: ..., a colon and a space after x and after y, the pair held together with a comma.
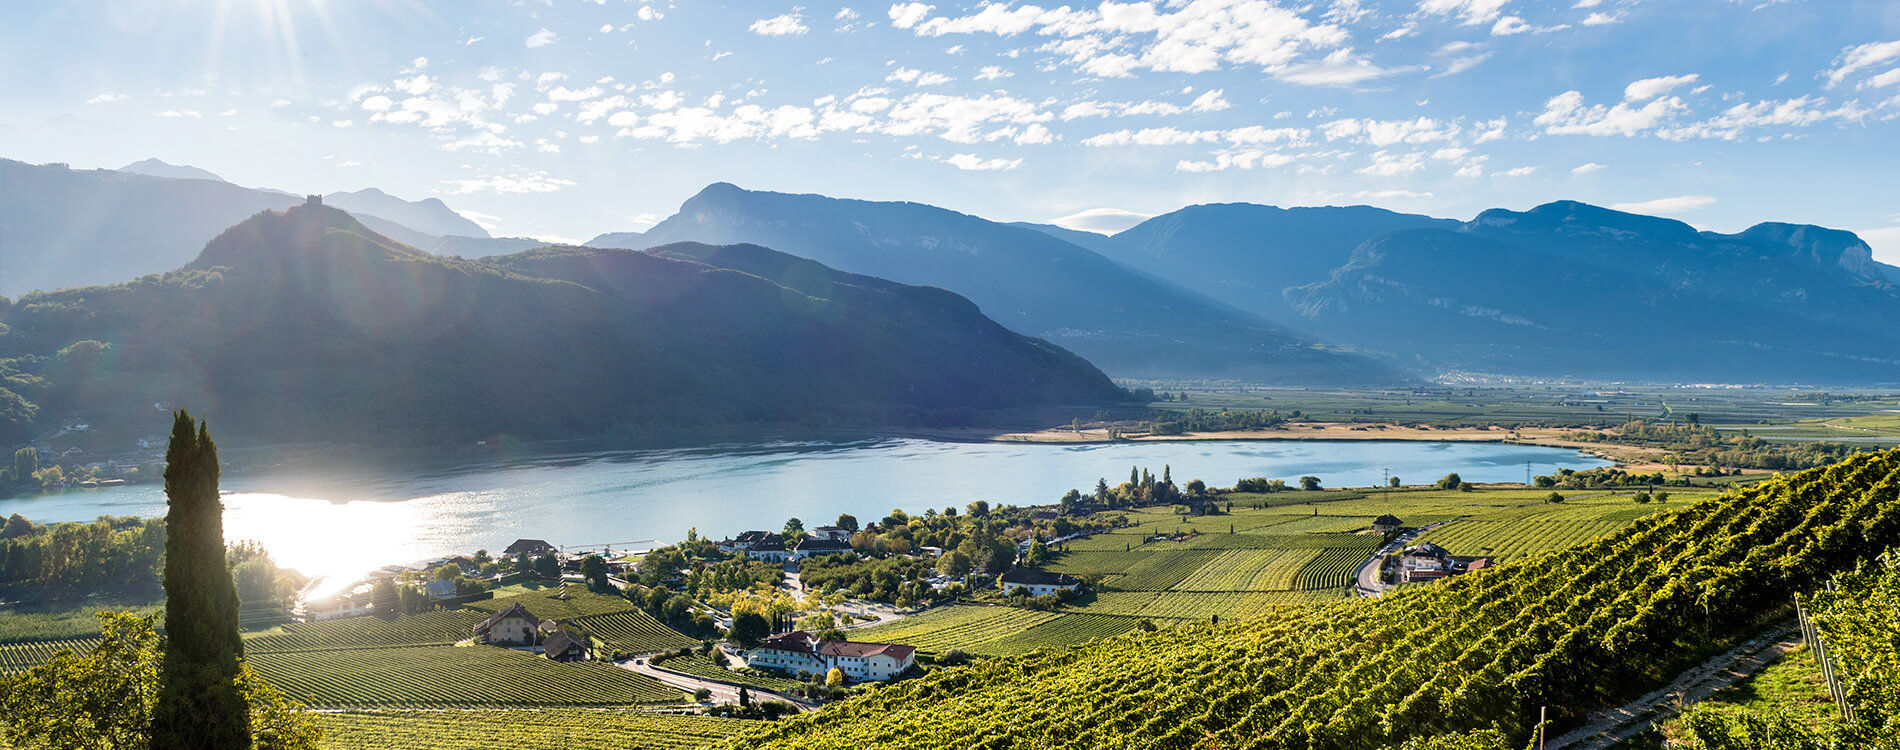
x: 1037, y: 582
x: 832, y: 533
x: 799, y: 651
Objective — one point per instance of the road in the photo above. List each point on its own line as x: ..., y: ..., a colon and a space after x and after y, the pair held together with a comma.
x: 1367, y: 577
x: 1610, y: 726
x: 721, y: 692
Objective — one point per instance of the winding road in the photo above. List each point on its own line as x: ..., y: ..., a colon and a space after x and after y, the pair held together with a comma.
x: 721, y: 692
x: 1367, y: 581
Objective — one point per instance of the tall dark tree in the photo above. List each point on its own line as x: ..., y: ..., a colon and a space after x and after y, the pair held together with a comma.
x: 199, y: 701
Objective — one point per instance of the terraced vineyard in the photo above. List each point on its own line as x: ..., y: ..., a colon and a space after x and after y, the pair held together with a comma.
x: 450, y: 675
x: 514, y: 729
x: 1332, y: 568
x: 559, y: 603
x: 1588, y: 626
x: 955, y: 626
x: 1248, y: 570
x: 442, y: 627
x: 1200, y: 605
x: 19, y: 657
x: 1503, y: 540
x: 1064, y: 630
x: 633, y: 631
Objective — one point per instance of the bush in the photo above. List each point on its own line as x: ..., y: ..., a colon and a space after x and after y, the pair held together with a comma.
x: 702, y: 695
x: 1554, y: 497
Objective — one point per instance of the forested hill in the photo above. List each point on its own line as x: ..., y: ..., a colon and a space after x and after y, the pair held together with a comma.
x: 307, y: 326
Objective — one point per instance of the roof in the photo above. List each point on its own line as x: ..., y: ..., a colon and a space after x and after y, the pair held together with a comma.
x: 1387, y: 520
x: 827, y: 528
x: 561, y: 641
x: 441, y: 589
x: 803, y: 642
x: 813, y: 544
x: 527, y: 545
x: 1028, y: 577
x: 758, y: 536
x: 1427, y: 549
x: 514, y: 609
x: 771, y: 546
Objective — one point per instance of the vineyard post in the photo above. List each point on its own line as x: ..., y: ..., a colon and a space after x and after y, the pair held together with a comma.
x: 1542, y: 712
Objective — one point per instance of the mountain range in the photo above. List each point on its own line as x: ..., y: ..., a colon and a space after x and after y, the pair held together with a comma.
x: 61, y: 227
x: 1130, y: 324
x: 306, y: 325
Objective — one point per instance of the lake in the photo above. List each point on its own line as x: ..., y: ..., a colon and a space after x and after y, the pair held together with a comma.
x: 353, y: 522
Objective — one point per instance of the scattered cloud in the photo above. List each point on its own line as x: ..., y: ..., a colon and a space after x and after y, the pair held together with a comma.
x: 972, y: 162
x: 1469, y: 12
x: 1858, y: 58
x: 1666, y: 206
x: 541, y: 38
x: 1587, y: 168
x: 191, y: 113
x: 1101, y: 220
x: 107, y: 98
x: 1650, y: 88
x: 535, y: 181
x: 789, y: 24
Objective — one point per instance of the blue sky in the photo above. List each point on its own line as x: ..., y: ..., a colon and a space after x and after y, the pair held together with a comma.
x: 565, y: 118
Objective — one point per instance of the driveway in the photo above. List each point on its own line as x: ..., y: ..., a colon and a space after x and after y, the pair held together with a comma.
x: 721, y: 692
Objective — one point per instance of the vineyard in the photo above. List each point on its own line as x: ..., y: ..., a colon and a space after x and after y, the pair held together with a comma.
x: 370, y: 632
x: 512, y: 729
x: 700, y: 666
x: 1588, y: 626
x: 633, y: 631
x: 449, y: 675
x: 560, y: 603
x: 1332, y: 568
x: 955, y: 626
x: 19, y: 657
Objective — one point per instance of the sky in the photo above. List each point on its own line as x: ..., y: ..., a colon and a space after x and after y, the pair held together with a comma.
x: 562, y: 119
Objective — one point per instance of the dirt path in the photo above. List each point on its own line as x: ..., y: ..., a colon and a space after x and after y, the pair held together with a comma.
x: 1611, y: 726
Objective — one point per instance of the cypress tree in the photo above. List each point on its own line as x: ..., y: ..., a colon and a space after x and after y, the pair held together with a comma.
x: 199, y: 706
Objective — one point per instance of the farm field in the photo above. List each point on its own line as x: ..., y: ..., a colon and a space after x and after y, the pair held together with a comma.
x: 701, y: 666
x: 633, y: 631
x: 24, y: 655
x: 444, y: 627
x: 512, y: 729
x: 558, y: 603
x: 955, y: 626
x: 450, y: 675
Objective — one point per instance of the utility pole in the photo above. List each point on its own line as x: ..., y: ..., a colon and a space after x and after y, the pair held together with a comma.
x: 1527, y: 473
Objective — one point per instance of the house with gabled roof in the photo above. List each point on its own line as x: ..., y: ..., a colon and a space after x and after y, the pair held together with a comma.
x: 1387, y: 522
x: 1036, y: 582
x: 529, y: 547
x: 564, y: 645
x: 510, y: 626
x: 800, y: 651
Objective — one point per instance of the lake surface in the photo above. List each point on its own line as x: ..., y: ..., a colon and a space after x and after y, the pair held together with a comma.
x: 353, y: 522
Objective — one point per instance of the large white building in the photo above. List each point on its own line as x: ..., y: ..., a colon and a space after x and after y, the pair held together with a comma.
x: 1036, y: 582
x: 799, y: 651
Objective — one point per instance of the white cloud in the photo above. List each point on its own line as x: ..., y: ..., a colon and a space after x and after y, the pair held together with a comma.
x: 1885, y: 241
x: 647, y: 13
x: 845, y: 14
x: 1602, y: 19
x: 1511, y: 25
x: 1236, y: 159
x: 1650, y: 88
x: 528, y: 182
x: 1516, y: 172
x: 1101, y: 220
x: 908, y: 15
x: 1386, y: 164
x: 1339, y: 68
x: 191, y: 113
x: 1470, y: 12
x: 1383, y: 133
x: 918, y: 77
x: 1666, y: 206
x: 1587, y: 168
x: 785, y: 25
x: 971, y: 162
x: 541, y: 38
x: 107, y: 98
x: 1854, y: 59
x: 992, y: 72
x: 1462, y: 64
x: 1566, y: 114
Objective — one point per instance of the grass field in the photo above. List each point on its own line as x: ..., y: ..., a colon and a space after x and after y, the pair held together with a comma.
x: 514, y: 729
x: 450, y: 675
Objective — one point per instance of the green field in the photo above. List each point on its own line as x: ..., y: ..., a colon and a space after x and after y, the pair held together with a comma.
x: 559, y: 603
x: 956, y: 626
x: 633, y: 631
x: 24, y: 655
x: 445, y: 627
x: 701, y: 666
x: 450, y: 675
x: 517, y: 729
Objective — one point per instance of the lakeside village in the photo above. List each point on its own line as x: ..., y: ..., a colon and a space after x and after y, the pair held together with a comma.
x: 770, y: 607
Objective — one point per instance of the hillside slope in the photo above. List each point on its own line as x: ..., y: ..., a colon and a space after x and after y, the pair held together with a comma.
x: 1573, y: 289
x: 1128, y: 324
x: 1473, y: 658
x: 306, y: 326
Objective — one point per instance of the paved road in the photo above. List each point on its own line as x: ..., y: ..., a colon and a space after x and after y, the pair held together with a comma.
x: 1610, y: 726
x: 721, y: 692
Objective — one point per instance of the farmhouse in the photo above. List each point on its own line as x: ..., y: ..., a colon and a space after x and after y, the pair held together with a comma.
x: 1036, y: 582
x: 834, y: 533
x: 440, y: 589
x: 514, y: 625
x: 1387, y: 522
x: 773, y: 551
x: 810, y: 546
x: 1429, y: 562
x: 800, y: 651
x: 562, y: 645
x: 528, y: 547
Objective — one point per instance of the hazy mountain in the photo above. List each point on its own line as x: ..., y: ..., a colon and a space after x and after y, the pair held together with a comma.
x: 480, y: 247
x: 1245, y: 254
x: 307, y: 326
x: 1091, y: 240
x: 428, y: 216
x: 626, y: 240
x: 1126, y: 323
x: 61, y: 227
x: 1570, y: 288
x: 156, y: 168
